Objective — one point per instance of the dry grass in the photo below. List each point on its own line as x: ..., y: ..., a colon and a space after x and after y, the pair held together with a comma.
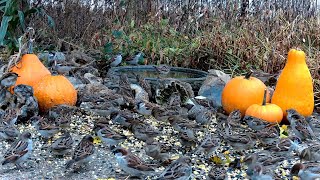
x: 223, y: 36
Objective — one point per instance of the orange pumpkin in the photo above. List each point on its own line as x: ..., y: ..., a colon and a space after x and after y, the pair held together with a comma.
x: 268, y: 112
x: 54, y: 90
x: 241, y: 92
x: 294, y: 88
x: 30, y: 70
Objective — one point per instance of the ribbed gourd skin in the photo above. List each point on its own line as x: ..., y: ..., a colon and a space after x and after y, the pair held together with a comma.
x: 294, y: 88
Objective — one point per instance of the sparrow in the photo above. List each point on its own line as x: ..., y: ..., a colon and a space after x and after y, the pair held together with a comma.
x: 131, y: 163
x: 8, y: 79
x: 136, y: 59
x: 82, y: 152
x: 311, y: 153
x: 123, y: 118
x: 187, y: 137
x: 144, y: 108
x: 267, y: 135
x: 8, y: 132
x: 178, y: 123
x: 162, y: 69
x: 140, y: 93
x: 108, y: 136
x: 287, y: 144
x: 10, y: 116
x: 155, y: 150
x: 115, y: 61
x: 306, y: 172
x: 314, y: 123
x: 256, y: 173
x: 45, y: 128
x: 179, y: 169
x: 209, y: 144
x: 145, y: 85
x: 143, y: 131
x: 256, y: 123
x: 234, y: 118
x: 174, y: 100
x: 62, y: 122
x: 299, y: 125
x: 19, y: 151
x: 218, y: 173
x: 240, y: 142
x: 124, y: 86
x: 195, y: 108
x: 205, y: 116
x: 63, y: 144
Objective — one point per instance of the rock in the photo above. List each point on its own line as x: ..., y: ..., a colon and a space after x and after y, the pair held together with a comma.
x: 212, y: 87
x: 92, y: 79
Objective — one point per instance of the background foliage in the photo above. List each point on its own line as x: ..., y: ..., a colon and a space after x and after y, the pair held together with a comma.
x: 231, y: 35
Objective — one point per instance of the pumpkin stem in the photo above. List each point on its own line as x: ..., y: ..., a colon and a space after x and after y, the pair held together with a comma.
x: 248, y: 75
x: 264, y: 97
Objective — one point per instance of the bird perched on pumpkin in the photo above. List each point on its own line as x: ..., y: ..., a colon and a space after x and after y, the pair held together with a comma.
x: 82, y: 153
x: 131, y: 163
x: 299, y: 125
x: 19, y: 151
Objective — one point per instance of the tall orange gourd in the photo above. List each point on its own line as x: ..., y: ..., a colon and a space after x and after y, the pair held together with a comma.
x: 30, y: 69
x: 294, y: 88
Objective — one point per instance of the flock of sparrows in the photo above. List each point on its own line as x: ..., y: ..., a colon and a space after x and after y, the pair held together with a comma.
x: 130, y: 105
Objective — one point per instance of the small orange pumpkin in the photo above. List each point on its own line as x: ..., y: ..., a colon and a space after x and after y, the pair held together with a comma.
x: 268, y: 112
x: 54, y: 90
x: 241, y: 92
x: 30, y: 70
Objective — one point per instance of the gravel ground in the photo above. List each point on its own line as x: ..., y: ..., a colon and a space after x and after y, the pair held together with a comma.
x: 43, y: 165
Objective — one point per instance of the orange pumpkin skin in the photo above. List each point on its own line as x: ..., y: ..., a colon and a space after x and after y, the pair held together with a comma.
x: 267, y: 112
x: 294, y: 88
x: 54, y: 90
x: 241, y: 92
x: 30, y: 70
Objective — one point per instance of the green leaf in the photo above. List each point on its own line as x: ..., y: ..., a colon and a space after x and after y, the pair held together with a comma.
x: 117, y: 34
x: 21, y: 19
x: 3, y: 28
x: 164, y: 22
x: 108, y: 48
